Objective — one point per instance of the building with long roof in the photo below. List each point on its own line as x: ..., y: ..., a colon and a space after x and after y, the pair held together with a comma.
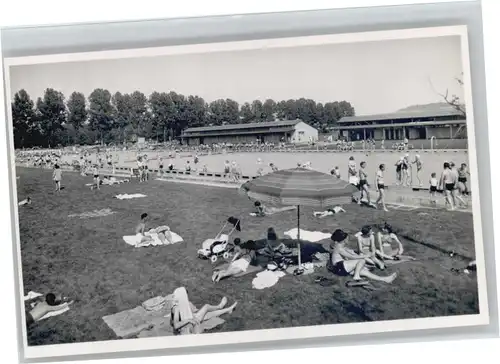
x: 439, y: 121
x: 291, y: 131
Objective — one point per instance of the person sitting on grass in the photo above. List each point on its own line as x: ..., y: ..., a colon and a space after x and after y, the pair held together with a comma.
x: 140, y: 230
x: 274, y: 247
x: 343, y: 262
x: 366, y: 246
x: 328, y: 212
x: 186, y: 319
x: 244, y: 256
x: 259, y: 209
x: 386, y: 236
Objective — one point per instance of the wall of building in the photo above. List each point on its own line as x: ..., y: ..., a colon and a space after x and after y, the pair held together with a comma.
x: 303, y: 133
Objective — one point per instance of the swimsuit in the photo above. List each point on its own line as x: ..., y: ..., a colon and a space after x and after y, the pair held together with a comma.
x: 338, y: 267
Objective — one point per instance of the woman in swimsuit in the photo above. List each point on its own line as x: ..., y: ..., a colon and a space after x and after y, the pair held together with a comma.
x: 405, y: 178
x: 192, y: 325
x: 379, y: 182
x: 447, y: 182
x: 343, y: 262
x: 363, y: 184
x: 399, y: 166
x: 418, y: 164
x: 366, y: 246
x: 244, y: 256
x: 385, y: 237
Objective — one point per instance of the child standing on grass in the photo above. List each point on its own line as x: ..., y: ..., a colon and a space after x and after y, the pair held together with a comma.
x: 57, y: 176
x: 433, y: 182
x: 96, y: 177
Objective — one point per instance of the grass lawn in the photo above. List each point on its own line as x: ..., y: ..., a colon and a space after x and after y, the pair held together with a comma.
x: 87, y: 260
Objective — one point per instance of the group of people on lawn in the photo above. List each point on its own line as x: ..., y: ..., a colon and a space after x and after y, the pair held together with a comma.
x: 372, y: 252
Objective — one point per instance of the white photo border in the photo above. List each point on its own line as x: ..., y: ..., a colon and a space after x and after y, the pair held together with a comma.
x: 134, y: 345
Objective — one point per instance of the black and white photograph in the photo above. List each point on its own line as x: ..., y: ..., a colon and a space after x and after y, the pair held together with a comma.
x: 321, y: 186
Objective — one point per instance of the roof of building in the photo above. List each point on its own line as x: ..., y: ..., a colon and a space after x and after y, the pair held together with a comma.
x: 270, y: 124
x: 413, y: 112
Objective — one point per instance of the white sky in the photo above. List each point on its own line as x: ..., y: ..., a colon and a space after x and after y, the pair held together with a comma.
x: 376, y: 77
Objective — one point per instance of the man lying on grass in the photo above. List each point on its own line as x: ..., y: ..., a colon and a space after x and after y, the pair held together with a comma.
x: 343, y: 262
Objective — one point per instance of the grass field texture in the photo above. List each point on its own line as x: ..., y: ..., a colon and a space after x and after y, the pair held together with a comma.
x: 87, y: 260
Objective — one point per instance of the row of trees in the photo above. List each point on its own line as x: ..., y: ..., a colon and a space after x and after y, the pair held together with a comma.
x: 116, y: 118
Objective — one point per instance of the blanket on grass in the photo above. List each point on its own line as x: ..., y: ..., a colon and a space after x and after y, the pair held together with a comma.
x: 126, y: 196
x: 140, y: 322
x: 135, y: 240
x: 311, y: 236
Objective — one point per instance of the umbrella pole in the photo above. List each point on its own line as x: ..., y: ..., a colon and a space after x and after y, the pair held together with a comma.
x: 298, y: 234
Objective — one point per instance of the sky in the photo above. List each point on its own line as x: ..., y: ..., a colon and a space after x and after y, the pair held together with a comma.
x: 375, y: 77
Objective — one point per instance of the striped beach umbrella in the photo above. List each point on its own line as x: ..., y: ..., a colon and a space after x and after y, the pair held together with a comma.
x: 299, y: 187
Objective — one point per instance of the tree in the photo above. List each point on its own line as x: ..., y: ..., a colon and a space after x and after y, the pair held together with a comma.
x: 100, y: 112
x: 231, y: 112
x: 269, y: 109
x: 258, y: 110
x: 23, y: 119
x: 139, y: 114
x: 453, y: 100
x: 51, y: 114
x: 216, y: 112
x: 246, y: 115
x: 77, y: 110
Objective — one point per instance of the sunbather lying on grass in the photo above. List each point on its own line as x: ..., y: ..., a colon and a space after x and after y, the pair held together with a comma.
x: 244, y: 255
x: 328, y: 212
x: 262, y: 210
x: 186, y: 319
x: 343, y: 262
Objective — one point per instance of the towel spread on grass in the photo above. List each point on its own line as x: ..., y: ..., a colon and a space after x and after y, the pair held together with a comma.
x: 139, y: 322
x: 54, y: 313
x: 126, y: 196
x: 135, y: 240
x: 311, y: 236
x: 95, y: 213
x: 267, y: 279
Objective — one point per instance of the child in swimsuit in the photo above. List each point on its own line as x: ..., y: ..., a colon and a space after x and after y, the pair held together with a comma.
x: 363, y: 184
x: 433, y: 182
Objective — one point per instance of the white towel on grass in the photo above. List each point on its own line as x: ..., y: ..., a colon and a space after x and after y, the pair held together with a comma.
x: 54, y: 313
x: 136, y: 239
x: 267, y: 279
x: 312, y: 236
x: 128, y: 197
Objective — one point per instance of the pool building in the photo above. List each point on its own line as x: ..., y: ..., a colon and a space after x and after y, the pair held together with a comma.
x: 438, y: 122
x: 290, y: 131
